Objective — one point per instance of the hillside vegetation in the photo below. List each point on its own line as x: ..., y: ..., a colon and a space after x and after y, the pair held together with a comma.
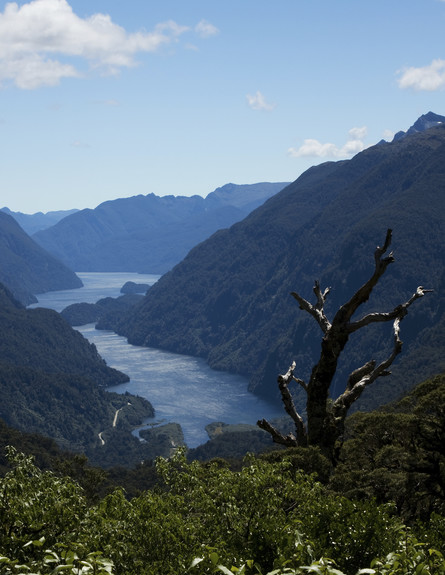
x: 53, y: 381
x: 287, y: 512
x: 228, y: 301
x: 26, y: 268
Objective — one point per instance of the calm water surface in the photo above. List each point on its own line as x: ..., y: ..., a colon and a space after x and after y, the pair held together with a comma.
x: 181, y: 388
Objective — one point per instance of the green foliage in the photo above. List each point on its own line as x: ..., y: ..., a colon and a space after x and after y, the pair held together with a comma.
x: 411, y: 556
x: 267, y: 518
x: 62, y: 561
x: 33, y: 505
x: 106, y: 311
x: 233, y: 445
x: 42, y: 340
x: 398, y: 453
x: 258, y: 511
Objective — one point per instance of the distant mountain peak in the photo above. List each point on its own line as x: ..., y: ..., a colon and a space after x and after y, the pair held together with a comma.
x: 425, y: 122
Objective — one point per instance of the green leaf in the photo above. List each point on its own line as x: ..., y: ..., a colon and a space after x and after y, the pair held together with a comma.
x: 36, y: 543
x: 214, y: 557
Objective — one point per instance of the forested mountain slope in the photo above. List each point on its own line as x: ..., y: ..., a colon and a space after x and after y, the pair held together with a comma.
x: 26, y: 268
x: 52, y: 380
x: 148, y: 233
x: 228, y: 300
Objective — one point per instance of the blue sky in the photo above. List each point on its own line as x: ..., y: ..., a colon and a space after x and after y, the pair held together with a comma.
x: 101, y: 99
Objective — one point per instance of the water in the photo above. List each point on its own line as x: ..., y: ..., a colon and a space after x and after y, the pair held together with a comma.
x: 96, y: 285
x: 182, y: 389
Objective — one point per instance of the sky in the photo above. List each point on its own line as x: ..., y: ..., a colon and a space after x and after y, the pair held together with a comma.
x: 103, y: 99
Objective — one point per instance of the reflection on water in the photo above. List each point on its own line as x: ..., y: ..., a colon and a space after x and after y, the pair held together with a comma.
x: 182, y: 389
x: 96, y: 285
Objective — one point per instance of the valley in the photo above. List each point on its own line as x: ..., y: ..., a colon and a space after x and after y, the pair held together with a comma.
x: 182, y: 389
x: 151, y: 425
x: 222, y: 288
x: 222, y: 315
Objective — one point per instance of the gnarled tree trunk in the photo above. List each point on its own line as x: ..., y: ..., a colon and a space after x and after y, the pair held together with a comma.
x: 325, y: 420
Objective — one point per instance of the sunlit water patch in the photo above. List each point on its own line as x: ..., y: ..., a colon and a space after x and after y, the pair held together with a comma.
x: 181, y: 388
x: 96, y: 285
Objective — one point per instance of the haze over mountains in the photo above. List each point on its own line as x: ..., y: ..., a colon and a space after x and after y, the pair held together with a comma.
x: 33, y: 223
x: 228, y: 301
x: 26, y: 268
x: 148, y: 234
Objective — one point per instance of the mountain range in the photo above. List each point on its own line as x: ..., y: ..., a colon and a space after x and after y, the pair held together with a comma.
x: 26, y: 268
x: 148, y: 234
x: 229, y: 300
x: 33, y: 223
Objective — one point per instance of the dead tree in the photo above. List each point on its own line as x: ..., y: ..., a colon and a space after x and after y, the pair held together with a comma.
x: 326, y: 419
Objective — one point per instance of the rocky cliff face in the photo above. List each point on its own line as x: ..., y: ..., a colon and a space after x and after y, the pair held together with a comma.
x: 425, y: 122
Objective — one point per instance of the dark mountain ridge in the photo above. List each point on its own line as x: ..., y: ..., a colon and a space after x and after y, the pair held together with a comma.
x: 429, y: 120
x: 228, y: 301
x: 53, y: 382
x: 26, y: 268
x: 148, y: 233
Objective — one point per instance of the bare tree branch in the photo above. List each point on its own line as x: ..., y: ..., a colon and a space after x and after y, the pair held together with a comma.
x: 398, y: 312
x: 287, y: 440
x: 347, y: 310
x: 300, y: 437
x: 369, y: 373
x: 316, y: 310
x: 359, y: 373
x: 325, y: 421
x: 321, y: 297
x: 300, y: 382
x: 289, y: 406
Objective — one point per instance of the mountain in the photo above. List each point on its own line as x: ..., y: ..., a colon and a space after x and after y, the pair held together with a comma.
x: 148, y: 233
x: 429, y: 120
x: 53, y: 382
x: 33, y: 223
x: 26, y: 268
x: 229, y: 300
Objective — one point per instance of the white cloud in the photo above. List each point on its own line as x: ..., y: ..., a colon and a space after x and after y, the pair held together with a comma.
x: 79, y: 144
x: 37, y: 39
x: 112, y: 103
x: 314, y: 148
x: 258, y: 102
x: 388, y: 135
x: 204, y: 29
x: 358, y: 133
x: 428, y: 78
